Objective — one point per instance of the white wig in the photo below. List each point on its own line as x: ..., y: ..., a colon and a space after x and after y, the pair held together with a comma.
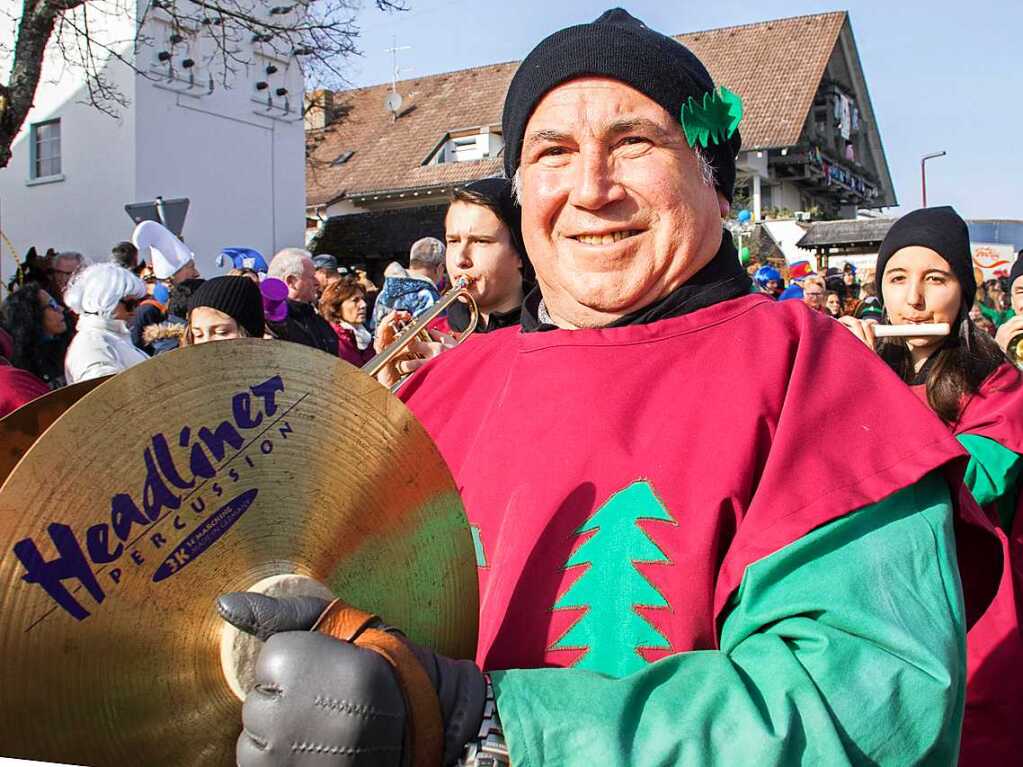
x: 97, y: 289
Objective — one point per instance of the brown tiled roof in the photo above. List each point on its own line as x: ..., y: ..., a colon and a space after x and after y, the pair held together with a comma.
x: 389, y: 153
x: 775, y: 66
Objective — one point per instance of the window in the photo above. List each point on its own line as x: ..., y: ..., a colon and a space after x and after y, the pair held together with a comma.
x: 45, y: 149
x: 467, y: 145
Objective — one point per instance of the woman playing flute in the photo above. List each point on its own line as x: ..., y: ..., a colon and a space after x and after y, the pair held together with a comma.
x: 925, y: 275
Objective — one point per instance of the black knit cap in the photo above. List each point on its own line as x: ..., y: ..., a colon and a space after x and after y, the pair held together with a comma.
x: 498, y: 191
x: 621, y: 47
x: 237, y: 297
x: 943, y: 231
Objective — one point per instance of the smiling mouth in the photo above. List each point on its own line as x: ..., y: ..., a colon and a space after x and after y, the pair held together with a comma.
x: 605, y: 239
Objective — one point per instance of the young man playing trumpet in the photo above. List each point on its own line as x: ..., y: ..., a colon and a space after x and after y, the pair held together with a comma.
x: 484, y: 245
x: 483, y: 248
x: 678, y: 563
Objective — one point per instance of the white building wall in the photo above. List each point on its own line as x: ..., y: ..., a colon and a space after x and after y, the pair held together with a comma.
x: 84, y: 211
x: 241, y: 165
x: 244, y: 174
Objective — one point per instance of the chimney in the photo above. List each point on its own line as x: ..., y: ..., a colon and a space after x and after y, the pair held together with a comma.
x: 319, y: 111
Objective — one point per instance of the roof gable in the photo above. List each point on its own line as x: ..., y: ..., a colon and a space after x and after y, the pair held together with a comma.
x: 774, y: 66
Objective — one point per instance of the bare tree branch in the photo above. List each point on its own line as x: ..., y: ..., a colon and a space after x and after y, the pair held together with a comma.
x: 318, y: 36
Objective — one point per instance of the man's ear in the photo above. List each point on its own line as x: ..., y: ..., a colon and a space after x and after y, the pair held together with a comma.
x: 724, y: 206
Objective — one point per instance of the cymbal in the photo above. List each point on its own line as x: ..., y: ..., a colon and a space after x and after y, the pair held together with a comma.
x: 20, y: 429
x: 202, y: 471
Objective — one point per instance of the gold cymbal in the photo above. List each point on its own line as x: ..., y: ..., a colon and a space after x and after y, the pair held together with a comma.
x: 199, y: 472
x: 20, y: 429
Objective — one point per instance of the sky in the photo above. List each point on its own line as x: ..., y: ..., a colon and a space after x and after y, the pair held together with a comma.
x: 941, y: 76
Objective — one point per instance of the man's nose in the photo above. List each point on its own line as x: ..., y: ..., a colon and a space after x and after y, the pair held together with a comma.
x: 463, y: 256
x: 594, y: 184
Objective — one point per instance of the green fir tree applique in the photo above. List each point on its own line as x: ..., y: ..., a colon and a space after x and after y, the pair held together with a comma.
x: 712, y: 119
x: 477, y: 542
x: 611, y: 588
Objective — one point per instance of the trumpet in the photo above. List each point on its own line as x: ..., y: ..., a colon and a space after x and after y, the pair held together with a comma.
x: 417, y: 331
x: 1014, y: 351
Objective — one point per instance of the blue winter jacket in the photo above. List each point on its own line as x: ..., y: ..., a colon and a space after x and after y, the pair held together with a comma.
x: 404, y: 294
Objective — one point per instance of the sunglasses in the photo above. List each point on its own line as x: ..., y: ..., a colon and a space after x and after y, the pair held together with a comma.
x: 55, y: 305
x: 129, y: 304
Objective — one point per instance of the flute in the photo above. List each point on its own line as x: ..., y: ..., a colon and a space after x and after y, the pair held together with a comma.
x: 912, y: 331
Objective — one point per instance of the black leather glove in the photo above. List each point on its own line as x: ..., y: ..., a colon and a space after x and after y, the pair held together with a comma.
x: 320, y: 701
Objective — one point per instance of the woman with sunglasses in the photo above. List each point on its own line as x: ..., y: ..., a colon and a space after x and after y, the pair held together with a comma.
x: 925, y: 275
x: 104, y: 297
x: 39, y: 333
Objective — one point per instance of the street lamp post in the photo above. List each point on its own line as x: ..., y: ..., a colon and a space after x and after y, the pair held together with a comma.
x: 923, y: 173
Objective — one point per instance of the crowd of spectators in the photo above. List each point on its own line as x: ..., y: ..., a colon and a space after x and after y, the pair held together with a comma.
x: 848, y: 292
x: 66, y: 320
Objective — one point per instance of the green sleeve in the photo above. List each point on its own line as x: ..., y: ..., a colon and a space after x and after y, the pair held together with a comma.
x: 845, y: 647
x: 993, y: 475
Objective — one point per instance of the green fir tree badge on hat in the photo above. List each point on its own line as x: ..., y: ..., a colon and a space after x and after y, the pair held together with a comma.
x: 713, y: 119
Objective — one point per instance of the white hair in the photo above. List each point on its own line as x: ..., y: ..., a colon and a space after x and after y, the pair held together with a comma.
x: 706, y: 169
x: 703, y: 164
x: 394, y: 269
x: 428, y: 251
x: 97, y: 289
x: 74, y: 255
x: 289, y: 262
x: 516, y: 189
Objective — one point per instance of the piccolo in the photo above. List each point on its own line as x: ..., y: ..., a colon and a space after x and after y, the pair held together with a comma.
x: 912, y: 331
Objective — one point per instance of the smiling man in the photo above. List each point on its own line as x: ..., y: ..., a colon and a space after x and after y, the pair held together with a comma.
x: 683, y: 557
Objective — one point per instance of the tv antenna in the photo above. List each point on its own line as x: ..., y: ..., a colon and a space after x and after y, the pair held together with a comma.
x: 394, y: 100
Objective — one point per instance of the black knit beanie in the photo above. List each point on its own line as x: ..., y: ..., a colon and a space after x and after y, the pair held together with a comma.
x: 943, y: 231
x: 237, y: 297
x: 621, y: 47
x: 1017, y: 269
x: 498, y: 192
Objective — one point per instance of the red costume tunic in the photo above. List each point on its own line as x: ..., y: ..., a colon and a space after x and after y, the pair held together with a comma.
x: 18, y: 387
x: 992, y: 734
x: 649, y: 465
